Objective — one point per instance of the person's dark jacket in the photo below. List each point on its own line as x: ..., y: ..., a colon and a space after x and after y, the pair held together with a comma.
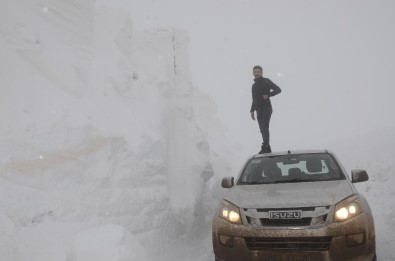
x: 263, y: 86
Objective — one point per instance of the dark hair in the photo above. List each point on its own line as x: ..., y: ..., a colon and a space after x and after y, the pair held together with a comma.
x: 257, y: 67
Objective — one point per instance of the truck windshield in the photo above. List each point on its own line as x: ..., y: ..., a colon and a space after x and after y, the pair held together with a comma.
x: 291, y: 168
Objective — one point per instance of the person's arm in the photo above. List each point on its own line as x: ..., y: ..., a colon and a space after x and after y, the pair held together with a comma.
x: 275, y: 89
x: 253, y: 100
x: 252, y: 110
x: 252, y: 106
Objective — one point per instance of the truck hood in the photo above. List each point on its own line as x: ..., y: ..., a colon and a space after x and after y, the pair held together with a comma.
x: 283, y: 195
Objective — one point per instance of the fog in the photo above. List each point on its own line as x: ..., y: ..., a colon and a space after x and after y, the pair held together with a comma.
x: 334, y: 61
x: 112, y: 141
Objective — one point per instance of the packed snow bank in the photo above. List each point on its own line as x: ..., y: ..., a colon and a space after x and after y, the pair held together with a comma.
x: 102, y: 151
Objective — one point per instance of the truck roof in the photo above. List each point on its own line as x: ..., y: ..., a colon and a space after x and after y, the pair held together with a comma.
x: 289, y: 152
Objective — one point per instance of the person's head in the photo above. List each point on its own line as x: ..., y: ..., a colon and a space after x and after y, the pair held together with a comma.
x: 257, y: 71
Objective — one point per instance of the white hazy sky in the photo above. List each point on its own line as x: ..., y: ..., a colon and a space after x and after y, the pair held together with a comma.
x: 334, y: 61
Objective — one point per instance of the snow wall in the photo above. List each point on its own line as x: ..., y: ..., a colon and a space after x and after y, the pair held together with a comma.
x: 103, y: 156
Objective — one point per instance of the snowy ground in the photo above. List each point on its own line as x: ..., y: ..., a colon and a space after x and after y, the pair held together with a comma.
x: 108, y: 152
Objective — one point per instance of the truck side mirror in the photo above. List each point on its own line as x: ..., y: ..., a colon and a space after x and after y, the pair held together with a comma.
x: 228, y: 182
x: 359, y: 175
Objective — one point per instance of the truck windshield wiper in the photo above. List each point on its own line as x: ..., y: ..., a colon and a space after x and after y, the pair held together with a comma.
x: 254, y: 183
x: 246, y: 183
x: 289, y: 180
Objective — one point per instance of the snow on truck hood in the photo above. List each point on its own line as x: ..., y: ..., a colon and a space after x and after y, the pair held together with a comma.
x: 285, y: 195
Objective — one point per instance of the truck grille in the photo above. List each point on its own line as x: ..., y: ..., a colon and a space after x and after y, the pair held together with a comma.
x: 285, y: 243
x: 309, y: 216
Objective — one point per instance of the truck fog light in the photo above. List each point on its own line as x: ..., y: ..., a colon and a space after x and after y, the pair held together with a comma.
x: 226, y: 240
x: 355, y: 239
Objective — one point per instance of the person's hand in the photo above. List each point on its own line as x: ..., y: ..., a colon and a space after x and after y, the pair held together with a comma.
x: 265, y: 97
x: 253, y: 116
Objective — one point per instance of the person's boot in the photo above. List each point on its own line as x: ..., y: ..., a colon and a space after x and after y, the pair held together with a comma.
x: 265, y: 149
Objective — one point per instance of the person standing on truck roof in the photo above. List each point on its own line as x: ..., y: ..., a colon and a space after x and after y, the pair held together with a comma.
x: 262, y: 90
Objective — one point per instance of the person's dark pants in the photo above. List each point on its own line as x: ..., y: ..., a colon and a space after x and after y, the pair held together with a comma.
x: 263, y: 117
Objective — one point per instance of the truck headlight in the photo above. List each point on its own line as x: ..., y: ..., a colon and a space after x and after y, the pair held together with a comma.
x: 229, y: 212
x: 347, y: 209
